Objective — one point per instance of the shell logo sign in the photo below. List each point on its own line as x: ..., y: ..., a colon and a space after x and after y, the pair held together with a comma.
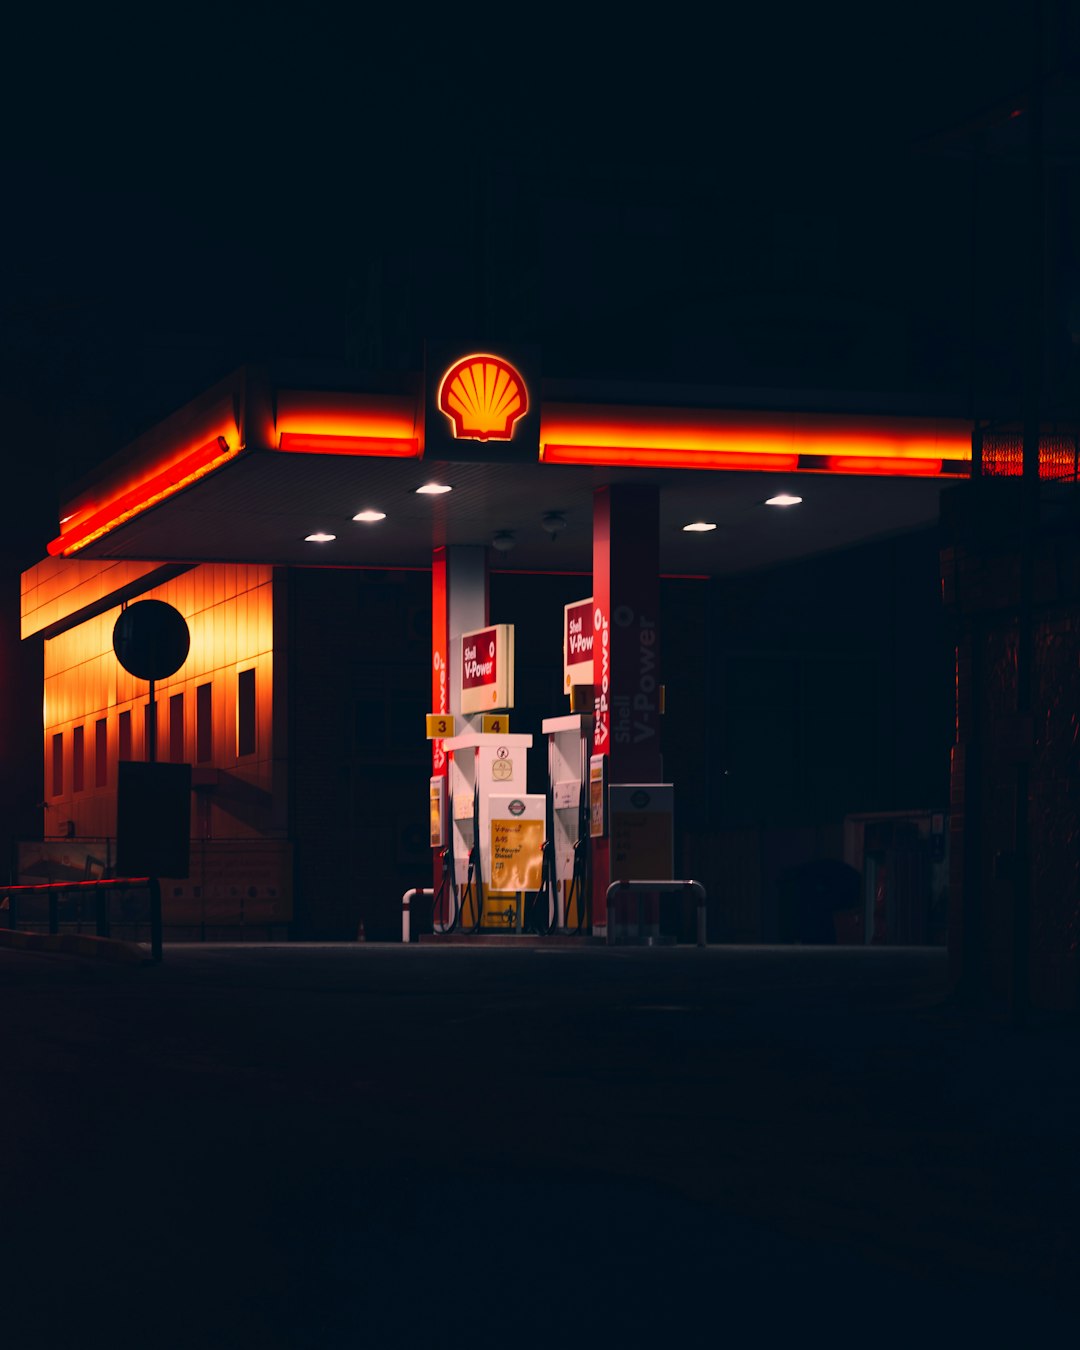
x: 484, y: 397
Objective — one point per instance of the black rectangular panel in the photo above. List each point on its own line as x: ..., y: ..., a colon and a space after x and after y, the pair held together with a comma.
x: 153, y: 819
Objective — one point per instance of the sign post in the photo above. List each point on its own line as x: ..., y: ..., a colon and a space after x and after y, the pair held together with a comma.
x: 153, y: 810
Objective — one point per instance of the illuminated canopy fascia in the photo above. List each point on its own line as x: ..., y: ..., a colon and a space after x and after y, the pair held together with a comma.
x: 184, y: 448
x: 678, y: 438
x: 246, y: 414
x: 124, y: 502
x: 317, y: 423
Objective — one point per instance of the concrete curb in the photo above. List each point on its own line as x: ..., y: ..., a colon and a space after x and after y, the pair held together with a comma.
x: 76, y: 944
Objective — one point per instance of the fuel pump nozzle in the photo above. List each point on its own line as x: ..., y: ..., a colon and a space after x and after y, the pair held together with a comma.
x: 546, y: 920
x: 475, y: 869
x: 580, y: 877
x: 447, y: 888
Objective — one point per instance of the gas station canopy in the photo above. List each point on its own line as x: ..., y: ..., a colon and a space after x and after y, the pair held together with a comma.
x: 254, y: 468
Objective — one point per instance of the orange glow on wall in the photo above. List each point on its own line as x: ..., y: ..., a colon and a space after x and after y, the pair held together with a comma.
x: 230, y: 613
x: 87, y: 525
x: 704, y: 438
x: 483, y: 396
x: 306, y: 443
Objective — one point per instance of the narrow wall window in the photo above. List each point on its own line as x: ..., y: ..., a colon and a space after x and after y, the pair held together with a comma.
x: 150, y: 710
x: 245, y: 713
x: 58, y: 764
x: 176, y: 728
x: 101, y: 752
x: 123, y: 736
x: 78, y: 759
x: 204, y: 723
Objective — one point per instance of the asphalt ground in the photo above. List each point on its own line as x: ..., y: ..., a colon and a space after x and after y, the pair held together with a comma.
x: 357, y: 1145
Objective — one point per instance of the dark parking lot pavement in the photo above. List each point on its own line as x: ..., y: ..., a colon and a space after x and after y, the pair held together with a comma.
x: 322, y: 1146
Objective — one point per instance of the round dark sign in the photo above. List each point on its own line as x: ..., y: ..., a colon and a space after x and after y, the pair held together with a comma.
x: 151, y: 639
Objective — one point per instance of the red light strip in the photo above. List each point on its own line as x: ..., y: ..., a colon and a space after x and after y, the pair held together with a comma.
x: 697, y: 438
x: 94, y: 884
x: 885, y: 464
x: 181, y: 474
x: 309, y: 443
x: 659, y: 457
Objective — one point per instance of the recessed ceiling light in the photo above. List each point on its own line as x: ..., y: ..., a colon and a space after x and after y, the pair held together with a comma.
x: 783, y: 499
x: 433, y: 489
x: 369, y: 517
x: 319, y: 538
x: 699, y: 527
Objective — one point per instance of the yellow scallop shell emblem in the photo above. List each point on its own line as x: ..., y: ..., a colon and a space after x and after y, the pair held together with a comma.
x: 483, y: 396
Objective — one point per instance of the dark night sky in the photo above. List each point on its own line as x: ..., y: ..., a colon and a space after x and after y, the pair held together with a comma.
x: 741, y: 203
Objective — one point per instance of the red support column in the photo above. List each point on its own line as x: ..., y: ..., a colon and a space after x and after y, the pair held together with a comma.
x: 459, y: 602
x: 626, y: 648
x: 440, y: 691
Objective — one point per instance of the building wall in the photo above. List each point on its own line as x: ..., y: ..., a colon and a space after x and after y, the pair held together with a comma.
x: 1014, y: 924
x: 229, y: 610
x: 358, y: 652
x: 827, y: 695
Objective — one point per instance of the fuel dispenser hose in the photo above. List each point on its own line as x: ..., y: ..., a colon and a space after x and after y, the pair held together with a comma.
x: 447, y: 887
x: 579, y: 888
x: 579, y: 884
x: 468, y: 894
x: 545, y: 898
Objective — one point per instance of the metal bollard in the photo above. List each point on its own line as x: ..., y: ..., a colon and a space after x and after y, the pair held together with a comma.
x: 406, y: 910
x: 640, y: 888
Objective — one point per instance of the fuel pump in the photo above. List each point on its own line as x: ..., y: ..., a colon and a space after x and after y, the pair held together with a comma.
x: 569, y: 742
x: 569, y: 739
x: 487, y: 775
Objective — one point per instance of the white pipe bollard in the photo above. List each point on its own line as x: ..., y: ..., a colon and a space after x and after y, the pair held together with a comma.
x: 406, y: 909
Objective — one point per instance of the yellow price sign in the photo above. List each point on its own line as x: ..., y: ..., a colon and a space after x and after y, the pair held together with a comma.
x: 495, y: 724
x: 517, y: 855
x: 439, y: 725
x: 437, y: 805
